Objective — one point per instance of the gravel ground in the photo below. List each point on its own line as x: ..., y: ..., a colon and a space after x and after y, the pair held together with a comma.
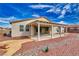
x: 35, y: 48
x: 70, y: 49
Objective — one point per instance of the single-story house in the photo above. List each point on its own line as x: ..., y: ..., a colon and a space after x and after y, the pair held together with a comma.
x: 4, y: 30
x: 36, y: 28
x: 73, y: 28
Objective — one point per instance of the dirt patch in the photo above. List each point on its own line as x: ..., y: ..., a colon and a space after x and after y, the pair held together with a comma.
x: 14, y: 45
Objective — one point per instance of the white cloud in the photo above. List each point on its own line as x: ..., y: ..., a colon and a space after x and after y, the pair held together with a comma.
x: 67, y: 6
x: 55, y: 10
x: 58, y: 10
x: 75, y: 9
x: 8, y: 19
x: 63, y: 12
x: 2, y: 21
x: 51, y: 10
x: 62, y: 22
x: 36, y: 15
x: 61, y: 16
x: 40, y: 6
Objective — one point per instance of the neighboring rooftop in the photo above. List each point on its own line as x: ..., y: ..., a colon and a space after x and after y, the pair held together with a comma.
x: 5, y: 28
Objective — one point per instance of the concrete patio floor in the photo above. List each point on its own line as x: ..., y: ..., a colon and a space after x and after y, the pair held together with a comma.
x: 48, y: 36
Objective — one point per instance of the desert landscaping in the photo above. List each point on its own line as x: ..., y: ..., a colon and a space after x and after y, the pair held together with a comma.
x: 64, y: 46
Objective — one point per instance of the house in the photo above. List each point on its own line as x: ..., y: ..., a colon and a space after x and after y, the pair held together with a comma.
x: 4, y: 30
x: 36, y: 28
x: 73, y: 28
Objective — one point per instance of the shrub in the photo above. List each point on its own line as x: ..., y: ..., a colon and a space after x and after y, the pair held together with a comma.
x: 45, y: 49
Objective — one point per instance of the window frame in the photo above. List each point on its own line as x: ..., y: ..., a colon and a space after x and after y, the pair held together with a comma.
x: 27, y: 28
x: 21, y: 28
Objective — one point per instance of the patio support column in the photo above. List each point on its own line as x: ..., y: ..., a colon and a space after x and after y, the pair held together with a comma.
x: 31, y: 31
x: 38, y: 31
x: 66, y: 29
x: 52, y: 31
x: 60, y: 32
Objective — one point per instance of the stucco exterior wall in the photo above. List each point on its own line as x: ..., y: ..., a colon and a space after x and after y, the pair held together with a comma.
x: 62, y: 29
x: 57, y: 28
x: 16, y: 30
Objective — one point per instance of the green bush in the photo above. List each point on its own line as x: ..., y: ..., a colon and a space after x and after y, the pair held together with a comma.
x: 45, y: 49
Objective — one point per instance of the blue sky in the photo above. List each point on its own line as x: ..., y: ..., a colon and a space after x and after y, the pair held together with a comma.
x: 63, y: 13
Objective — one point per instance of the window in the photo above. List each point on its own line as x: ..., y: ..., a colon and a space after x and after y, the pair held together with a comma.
x: 46, y: 28
x: 21, y: 27
x: 27, y: 27
x: 57, y: 29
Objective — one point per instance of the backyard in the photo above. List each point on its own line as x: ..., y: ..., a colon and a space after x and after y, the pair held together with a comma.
x: 63, y: 46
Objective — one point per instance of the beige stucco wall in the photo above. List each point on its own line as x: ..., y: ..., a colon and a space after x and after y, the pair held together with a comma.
x: 56, y: 27
x: 62, y: 29
x: 16, y: 30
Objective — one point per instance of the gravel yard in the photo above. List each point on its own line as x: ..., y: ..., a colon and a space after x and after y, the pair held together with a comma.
x: 67, y: 45
x: 64, y: 46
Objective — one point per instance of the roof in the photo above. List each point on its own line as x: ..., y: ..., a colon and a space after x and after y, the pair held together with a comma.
x: 5, y: 28
x: 30, y: 19
x: 73, y: 26
x: 41, y: 19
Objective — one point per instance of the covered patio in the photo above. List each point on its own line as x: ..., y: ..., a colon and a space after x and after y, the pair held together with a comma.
x: 45, y: 30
